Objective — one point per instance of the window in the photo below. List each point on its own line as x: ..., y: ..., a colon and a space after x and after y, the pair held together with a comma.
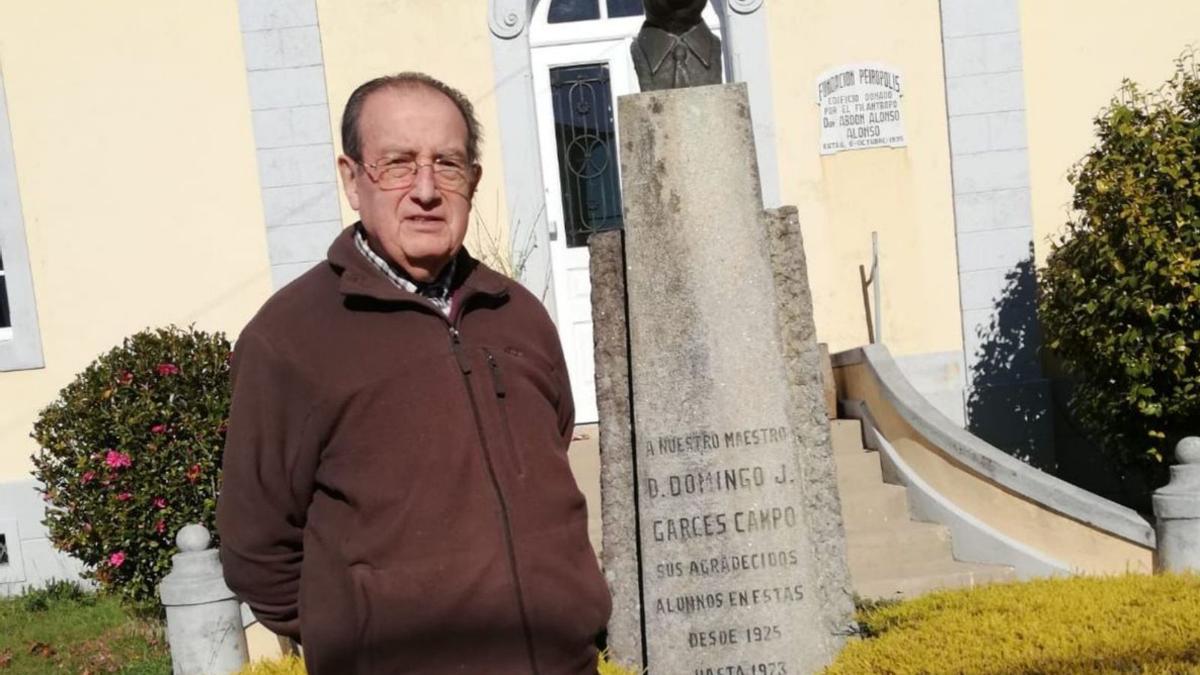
x: 3, y: 550
x: 565, y: 11
x: 20, y: 339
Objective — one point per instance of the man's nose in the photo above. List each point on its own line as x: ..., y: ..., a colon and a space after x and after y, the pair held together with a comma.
x: 424, y: 188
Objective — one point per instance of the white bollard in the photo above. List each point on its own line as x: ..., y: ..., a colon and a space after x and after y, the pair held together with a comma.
x: 204, y: 619
x: 1177, y: 511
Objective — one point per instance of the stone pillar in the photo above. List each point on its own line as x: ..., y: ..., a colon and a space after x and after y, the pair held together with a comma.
x: 618, y: 473
x: 742, y: 552
x: 1177, y: 511
x: 204, y: 619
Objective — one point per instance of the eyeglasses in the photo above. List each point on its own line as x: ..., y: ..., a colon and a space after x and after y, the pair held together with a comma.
x: 399, y: 174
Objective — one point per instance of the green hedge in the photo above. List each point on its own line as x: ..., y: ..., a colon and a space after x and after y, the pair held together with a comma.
x: 1126, y: 624
x: 1120, y: 292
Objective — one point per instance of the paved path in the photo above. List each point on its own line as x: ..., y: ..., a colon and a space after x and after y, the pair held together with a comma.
x: 584, y: 456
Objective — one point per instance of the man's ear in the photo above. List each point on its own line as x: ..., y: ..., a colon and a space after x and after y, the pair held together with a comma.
x: 347, y: 168
x: 476, y: 174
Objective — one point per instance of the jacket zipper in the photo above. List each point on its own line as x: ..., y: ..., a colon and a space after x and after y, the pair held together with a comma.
x: 501, y: 396
x: 464, y: 367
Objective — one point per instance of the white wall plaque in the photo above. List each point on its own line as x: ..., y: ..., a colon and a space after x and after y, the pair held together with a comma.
x: 860, y: 108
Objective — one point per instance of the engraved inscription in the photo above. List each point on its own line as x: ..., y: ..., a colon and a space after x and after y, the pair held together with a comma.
x: 721, y: 532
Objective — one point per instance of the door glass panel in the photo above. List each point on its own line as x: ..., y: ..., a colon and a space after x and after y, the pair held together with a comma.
x: 562, y: 11
x: 585, y: 138
x: 624, y: 8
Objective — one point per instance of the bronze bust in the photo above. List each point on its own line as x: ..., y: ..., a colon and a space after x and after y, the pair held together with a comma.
x: 675, y: 48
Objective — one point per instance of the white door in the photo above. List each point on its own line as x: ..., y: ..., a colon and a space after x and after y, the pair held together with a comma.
x: 580, y: 62
x: 576, y: 88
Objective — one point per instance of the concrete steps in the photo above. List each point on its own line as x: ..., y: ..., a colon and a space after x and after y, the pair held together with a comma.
x: 890, y: 555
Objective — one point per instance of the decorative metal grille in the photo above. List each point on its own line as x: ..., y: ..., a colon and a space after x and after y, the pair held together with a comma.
x: 5, y: 319
x: 3, y: 550
x: 587, y: 150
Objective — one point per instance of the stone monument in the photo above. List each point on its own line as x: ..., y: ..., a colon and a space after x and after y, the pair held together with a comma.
x: 711, y: 382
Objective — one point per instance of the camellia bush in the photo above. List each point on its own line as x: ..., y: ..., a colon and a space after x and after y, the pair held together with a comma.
x: 1120, y: 292
x: 131, y: 452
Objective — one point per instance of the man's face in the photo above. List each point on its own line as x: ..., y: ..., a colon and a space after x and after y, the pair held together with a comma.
x: 419, y: 228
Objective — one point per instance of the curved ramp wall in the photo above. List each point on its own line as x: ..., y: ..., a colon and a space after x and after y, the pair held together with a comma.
x: 1087, y: 533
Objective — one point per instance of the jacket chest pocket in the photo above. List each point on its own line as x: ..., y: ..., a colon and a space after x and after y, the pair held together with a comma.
x: 500, y: 389
x: 526, y: 396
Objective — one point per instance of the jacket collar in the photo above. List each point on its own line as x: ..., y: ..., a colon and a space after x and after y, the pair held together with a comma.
x: 358, y: 277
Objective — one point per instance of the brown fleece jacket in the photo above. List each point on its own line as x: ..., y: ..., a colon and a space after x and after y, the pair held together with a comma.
x: 396, y: 492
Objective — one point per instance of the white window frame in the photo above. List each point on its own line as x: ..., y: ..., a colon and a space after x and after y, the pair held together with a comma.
x: 20, y: 344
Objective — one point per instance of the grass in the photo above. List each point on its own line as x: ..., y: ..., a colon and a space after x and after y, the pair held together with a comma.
x: 62, y: 629
x: 1123, y: 624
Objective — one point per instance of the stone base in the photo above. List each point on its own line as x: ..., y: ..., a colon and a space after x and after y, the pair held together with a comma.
x: 32, y: 560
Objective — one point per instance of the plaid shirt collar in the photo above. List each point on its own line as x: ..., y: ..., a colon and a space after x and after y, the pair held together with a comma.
x: 436, y: 291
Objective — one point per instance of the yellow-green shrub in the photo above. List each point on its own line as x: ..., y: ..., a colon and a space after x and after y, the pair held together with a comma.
x: 1125, y: 624
x: 1120, y: 293
x: 607, y: 667
x: 291, y: 665
x: 286, y: 665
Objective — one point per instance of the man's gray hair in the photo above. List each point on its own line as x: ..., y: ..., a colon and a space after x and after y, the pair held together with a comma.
x: 352, y: 142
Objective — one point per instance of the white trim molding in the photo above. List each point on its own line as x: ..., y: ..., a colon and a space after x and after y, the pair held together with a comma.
x: 748, y: 59
x: 745, y: 6
x: 519, y: 148
x: 989, y: 166
x: 285, y: 73
x: 23, y: 348
x: 509, y: 18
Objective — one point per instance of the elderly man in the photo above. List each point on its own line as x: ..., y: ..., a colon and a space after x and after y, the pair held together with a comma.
x: 396, y: 490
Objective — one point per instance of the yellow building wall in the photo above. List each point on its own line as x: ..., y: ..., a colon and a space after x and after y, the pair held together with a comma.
x: 449, y: 40
x: 904, y: 194
x: 139, y: 189
x: 1076, y: 54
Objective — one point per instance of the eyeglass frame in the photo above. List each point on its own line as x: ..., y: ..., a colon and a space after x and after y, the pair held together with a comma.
x: 466, y: 171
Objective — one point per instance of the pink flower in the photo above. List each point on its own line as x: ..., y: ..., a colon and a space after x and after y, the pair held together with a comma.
x: 124, y: 497
x: 160, y: 503
x: 126, y: 377
x: 193, y: 473
x: 117, y: 460
x: 158, y: 429
x: 165, y: 369
x: 160, y: 526
x: 87, y: 477
x: 87, y: 527
x: 117, y: 559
